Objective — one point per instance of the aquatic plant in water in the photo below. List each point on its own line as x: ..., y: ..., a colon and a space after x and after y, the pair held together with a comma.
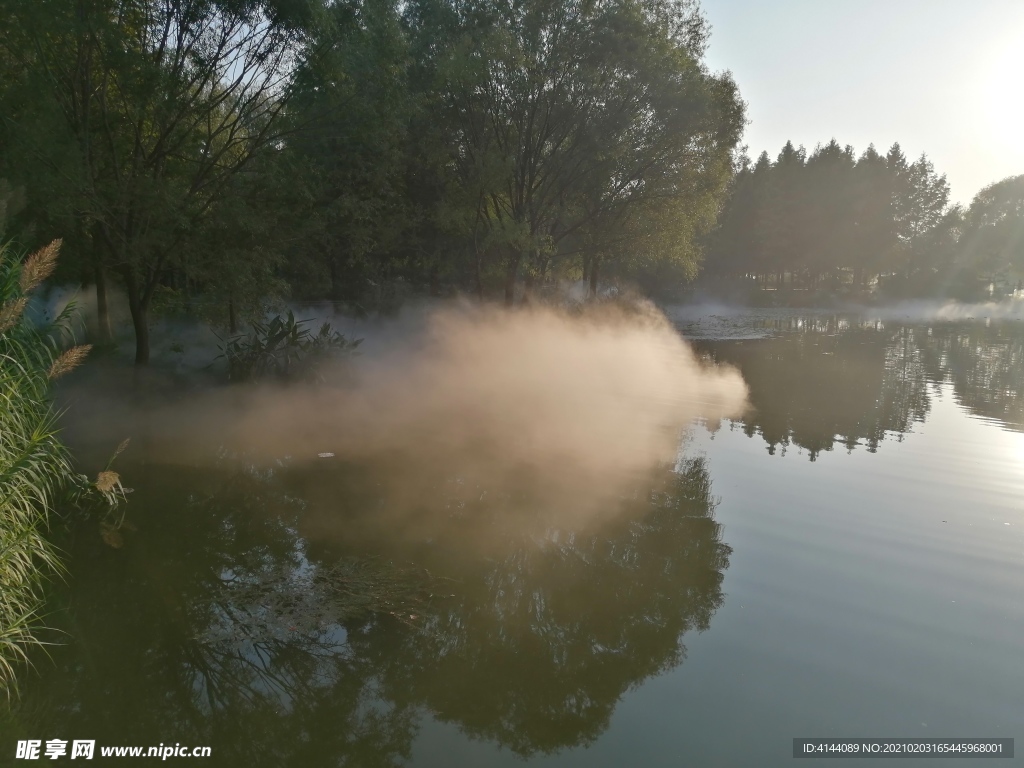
x: 282, y: 348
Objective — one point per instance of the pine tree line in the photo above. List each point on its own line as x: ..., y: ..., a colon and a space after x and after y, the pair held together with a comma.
x: 833, y: 220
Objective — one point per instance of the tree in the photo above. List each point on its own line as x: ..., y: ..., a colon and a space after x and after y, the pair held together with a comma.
x: 873, y: 232
x: 994, y: 229
x: 347, y: 160
x: 784, y: 212
x: 829, y: 214
x: 564, y: 119
x: 927, y: 197
x: 165, y: 102
x: 829, y: 202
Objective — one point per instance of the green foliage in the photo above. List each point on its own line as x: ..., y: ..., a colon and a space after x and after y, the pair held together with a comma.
x: 35, y: 469
x: 832, y: 218
x: 283, y: 348
x: 345, y: 164
x: 994, y: 227
x: 143, y: 115
x: 575, y: 133
x: 226, y: 154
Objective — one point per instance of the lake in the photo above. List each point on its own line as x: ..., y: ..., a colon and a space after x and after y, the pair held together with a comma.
x: 846, y: 559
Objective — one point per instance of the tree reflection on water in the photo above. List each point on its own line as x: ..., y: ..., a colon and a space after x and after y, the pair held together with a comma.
x: 220, y: 623
x: 828, y: 380
x: 984, y: 364
x: 535, y: 648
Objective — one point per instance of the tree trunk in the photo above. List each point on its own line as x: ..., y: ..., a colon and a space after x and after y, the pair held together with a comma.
x: 435, y: 280
x: 103, y: 334
x: 139, y: 308
x: 87, y: 274
x: 232, y: 316
x: 140, y: 319
x: 510, y: 278
x: 595, y: 270
x: 99, y: 274
x: 478, y: 276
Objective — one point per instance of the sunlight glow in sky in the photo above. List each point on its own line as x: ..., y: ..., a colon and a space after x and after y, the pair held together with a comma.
x: 941, y: 77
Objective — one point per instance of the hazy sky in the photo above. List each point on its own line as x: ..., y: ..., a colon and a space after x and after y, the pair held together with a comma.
x: 938, y: 76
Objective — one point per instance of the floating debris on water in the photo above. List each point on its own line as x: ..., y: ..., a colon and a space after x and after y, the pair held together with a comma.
x: 326, y: 455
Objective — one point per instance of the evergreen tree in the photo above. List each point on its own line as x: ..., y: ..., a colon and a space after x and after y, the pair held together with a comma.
x: 829, y: 203
x: 873, y: 231
x: 785, y: 213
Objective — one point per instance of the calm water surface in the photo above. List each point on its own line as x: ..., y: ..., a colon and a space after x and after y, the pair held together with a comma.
x: 845, y: 560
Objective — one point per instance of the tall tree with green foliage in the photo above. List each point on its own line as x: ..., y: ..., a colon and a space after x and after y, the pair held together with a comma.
x: 830, y: 198
x: 994, y: 227
x: 566, y: 118
x: 346, y: 159
x: 785, y: 224
x: 161, y: 104
x: 925, y: 203
x: 873, y: 231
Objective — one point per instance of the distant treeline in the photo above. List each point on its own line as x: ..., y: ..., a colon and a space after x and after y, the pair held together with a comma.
x: 208, y: 155
x: 832, y: 219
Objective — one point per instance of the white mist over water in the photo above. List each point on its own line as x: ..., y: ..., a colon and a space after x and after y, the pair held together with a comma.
x: 939, y: 311
x: 578, y: 406
x: 722, y: 321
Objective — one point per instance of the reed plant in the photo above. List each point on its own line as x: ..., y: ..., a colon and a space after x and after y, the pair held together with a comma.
x: 284, y: 349
x: 34, y: 465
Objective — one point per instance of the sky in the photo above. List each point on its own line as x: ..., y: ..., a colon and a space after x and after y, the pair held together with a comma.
x: 942, y: 77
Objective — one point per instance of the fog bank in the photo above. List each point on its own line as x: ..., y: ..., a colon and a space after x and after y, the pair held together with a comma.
x: 571, y: 408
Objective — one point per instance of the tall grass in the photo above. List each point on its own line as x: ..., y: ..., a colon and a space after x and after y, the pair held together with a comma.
x: 34, y: 465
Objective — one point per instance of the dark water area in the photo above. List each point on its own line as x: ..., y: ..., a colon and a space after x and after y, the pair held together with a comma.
x: 846, y: 559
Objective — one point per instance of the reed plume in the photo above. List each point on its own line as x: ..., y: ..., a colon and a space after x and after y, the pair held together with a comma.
x: 10, y: 312
x: 39, y: 266
x: 69, y: 360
